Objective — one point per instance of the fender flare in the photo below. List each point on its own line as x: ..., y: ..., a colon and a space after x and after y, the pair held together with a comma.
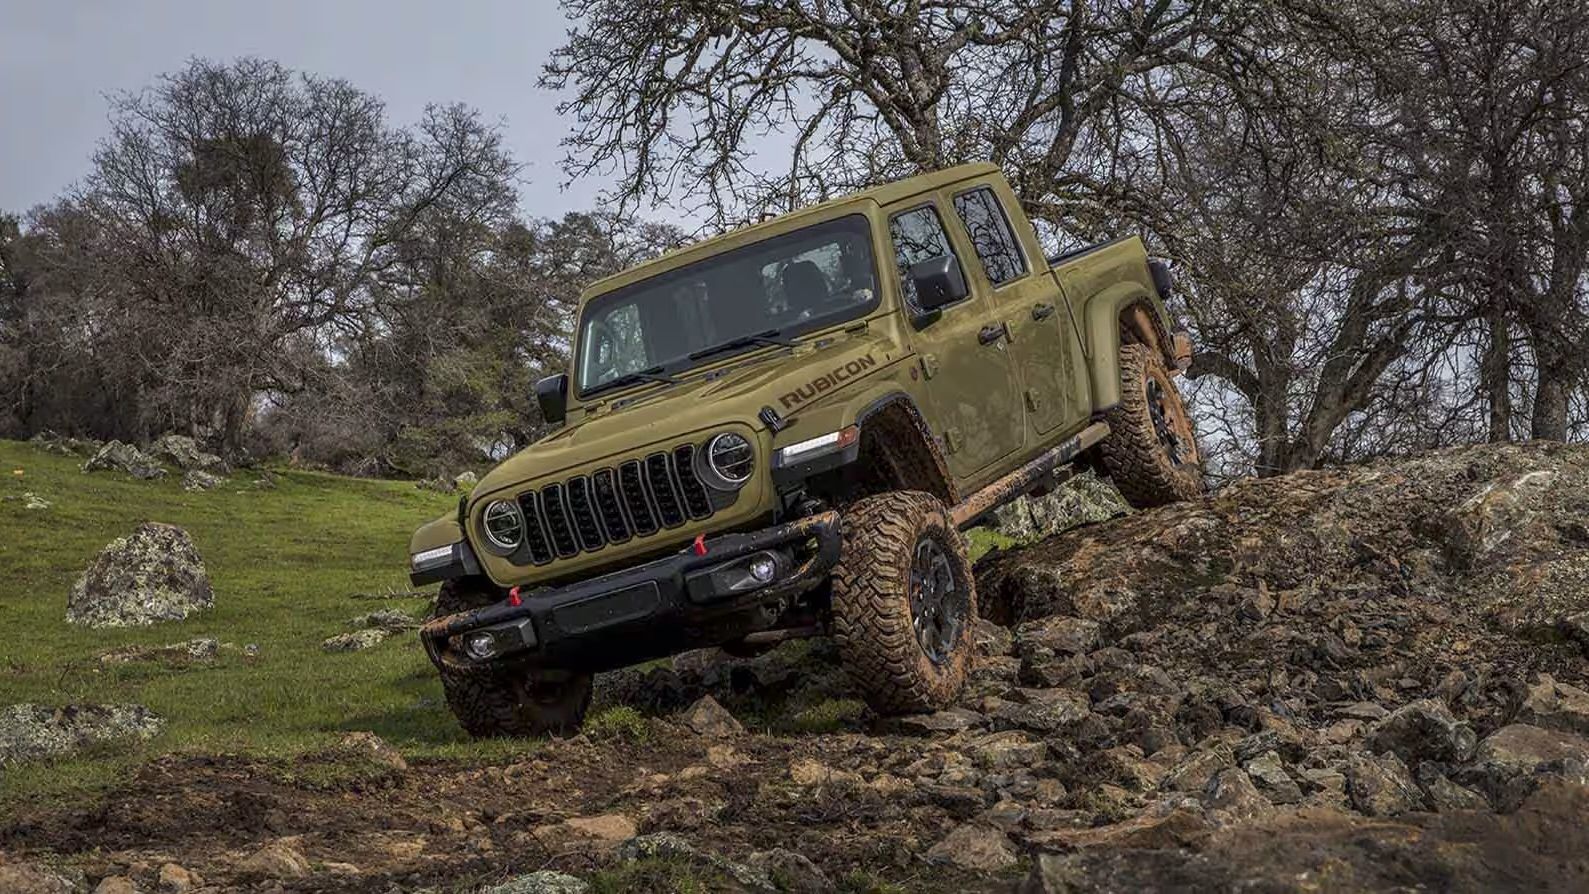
x: 1103, y: 324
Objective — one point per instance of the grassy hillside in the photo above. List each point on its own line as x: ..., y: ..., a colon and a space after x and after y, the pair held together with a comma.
x: 285, y: 563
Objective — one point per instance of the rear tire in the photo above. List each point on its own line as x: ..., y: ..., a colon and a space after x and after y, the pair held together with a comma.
x: 1151, y: 451
x: 491, y: 702
x: 904, y: 603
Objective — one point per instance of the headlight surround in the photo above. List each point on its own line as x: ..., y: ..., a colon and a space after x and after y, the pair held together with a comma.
x: 503, y: 525
x: 727, y: 461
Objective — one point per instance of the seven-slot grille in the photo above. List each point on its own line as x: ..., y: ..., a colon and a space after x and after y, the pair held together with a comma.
x: 609, y: 506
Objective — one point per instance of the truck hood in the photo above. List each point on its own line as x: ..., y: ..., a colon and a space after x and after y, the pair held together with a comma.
x: 623, y: 426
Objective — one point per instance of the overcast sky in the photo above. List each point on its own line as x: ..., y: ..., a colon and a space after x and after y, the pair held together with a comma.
x: 58, y: 59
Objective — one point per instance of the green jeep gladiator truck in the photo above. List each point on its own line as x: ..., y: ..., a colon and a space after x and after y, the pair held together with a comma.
x: 782, y: 431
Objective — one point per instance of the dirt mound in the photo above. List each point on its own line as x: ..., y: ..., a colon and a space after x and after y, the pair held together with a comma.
x: 1369, y: 678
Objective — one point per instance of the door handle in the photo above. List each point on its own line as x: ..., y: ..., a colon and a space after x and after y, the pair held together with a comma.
x: 1042, y: 311
x: 990, y: 334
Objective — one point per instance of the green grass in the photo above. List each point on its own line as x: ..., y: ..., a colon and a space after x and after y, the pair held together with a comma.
x: 284, y: 564
x: 982, y: 541
x: 660, y: 876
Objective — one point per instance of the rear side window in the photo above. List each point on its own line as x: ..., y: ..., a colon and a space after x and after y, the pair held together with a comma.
x: 990, y: 235
x: 918, y: 235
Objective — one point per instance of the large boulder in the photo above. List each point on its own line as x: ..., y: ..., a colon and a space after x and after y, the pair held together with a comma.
x: 35, y: 732
x: 117, y: 456
x: 152, y: 575
x: 184, y: 453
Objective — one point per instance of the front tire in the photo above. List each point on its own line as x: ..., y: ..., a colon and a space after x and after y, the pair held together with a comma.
x: 1151, y: 451
x: 492, y: 702
x: 904, y: 603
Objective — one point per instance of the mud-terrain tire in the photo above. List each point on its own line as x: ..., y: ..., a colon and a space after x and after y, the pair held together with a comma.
x: 1151, y: 451
x: 494, y: 702
x: 898, y: 551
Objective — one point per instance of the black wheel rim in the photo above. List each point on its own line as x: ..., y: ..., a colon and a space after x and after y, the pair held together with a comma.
x: 1169, y: 440
x: 937, y: 600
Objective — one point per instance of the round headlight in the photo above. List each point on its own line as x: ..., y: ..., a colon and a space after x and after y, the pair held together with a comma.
x: 731, y: 460
x: 504, y: 525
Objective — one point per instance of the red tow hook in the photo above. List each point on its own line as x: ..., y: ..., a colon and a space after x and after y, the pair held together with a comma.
x: 699, y: 546
x: 513, y: 597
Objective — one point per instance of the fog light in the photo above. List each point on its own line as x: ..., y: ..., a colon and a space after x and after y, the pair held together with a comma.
x: 480, y: 646
x: 763, y: 568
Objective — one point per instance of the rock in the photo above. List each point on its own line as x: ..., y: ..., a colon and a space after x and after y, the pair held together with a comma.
x: 184, y: 453
x: 1269, y: 774
x: 974, y: 847
x: 1196, y: 770
x: 1557, y: 706
x: 154, y: 574
x: 34, y: 503
x: 375, y: 748
x: 357, y: 641
x: 992, y: 639
x: 114, y: 884
x: 34, y: 732
x: 790, y: 872
x: 1363, y: 711
x: 608, y: 828
x: 388, y: 619
x: 1507, y: 763
x: 543, y: 882
x: 668, y: 846
x: 808, y: 772
x: 24, y: 878
x: 1231, y: 791
x: 195, y: 480
x: 121, y: 457
x: 465, y: 480
x: 1381, y: 786
x: 1423, y: 730
x: 1043, y: 710
x: 277, y: 860
x: 176, y: 880
x: 194, y: 651
x: 1084, y: 499
x: 1007, y: 750
x: 708, y: 718
x: 1061, y: 635
x: 947, y: 721
x: 1444, y: 794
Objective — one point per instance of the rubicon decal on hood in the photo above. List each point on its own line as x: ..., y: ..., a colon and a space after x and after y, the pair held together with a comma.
x: 826, y: 382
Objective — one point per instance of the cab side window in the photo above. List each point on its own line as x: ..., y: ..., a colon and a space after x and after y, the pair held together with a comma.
x: 918, y: 235
x: 990, y: 235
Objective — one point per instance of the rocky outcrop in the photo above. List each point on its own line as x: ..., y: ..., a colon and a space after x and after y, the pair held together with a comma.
x: 120, y: 457
x: 186, y: 454
x: 152, y: 575
x: 36, y: 732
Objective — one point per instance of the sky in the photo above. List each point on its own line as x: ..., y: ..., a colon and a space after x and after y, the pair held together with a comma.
x: 59, y: 58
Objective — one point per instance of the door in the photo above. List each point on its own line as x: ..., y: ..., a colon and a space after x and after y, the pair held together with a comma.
x: 1031, y: 304
x: 974, y: 404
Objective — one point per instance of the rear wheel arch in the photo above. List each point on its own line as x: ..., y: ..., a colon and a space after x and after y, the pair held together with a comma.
x: 1122, y: 314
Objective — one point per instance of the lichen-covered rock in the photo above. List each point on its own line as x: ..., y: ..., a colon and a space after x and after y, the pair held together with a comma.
x: 1381, y: 785
x: 198, y: 480
x: 184, y: 453
x: 976, y: 847
x: 1423, y: 730
x: 708, y: 718
x: 35, y: 732
x: 357, y: 641
x: 1081, y: 500
x: 193, y: 651
x: 389, y: 619
x: 465, y: 480
x: 125, y: 458
x: 544, y: 882
x: 152, y: 575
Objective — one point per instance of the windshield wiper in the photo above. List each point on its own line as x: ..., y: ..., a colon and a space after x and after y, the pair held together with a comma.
x: 767, y: 338
x: 650, y: 374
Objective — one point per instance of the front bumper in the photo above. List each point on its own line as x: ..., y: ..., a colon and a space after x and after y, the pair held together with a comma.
x: 648, y: 611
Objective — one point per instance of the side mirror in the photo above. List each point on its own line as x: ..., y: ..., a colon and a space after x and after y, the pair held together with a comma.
x: 939, y: 282
x: 551, y: 393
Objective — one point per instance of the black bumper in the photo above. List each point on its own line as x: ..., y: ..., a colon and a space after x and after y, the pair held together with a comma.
x: 648, y: 611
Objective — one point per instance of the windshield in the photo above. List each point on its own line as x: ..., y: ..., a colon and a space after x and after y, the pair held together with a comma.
x: 780, y: 287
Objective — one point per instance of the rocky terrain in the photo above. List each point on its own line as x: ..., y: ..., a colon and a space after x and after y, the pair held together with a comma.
x: 1369, y: 678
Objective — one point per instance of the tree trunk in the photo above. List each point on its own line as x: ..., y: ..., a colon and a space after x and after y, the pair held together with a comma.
x: 1497, y: 377
x: 1550, y: 405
